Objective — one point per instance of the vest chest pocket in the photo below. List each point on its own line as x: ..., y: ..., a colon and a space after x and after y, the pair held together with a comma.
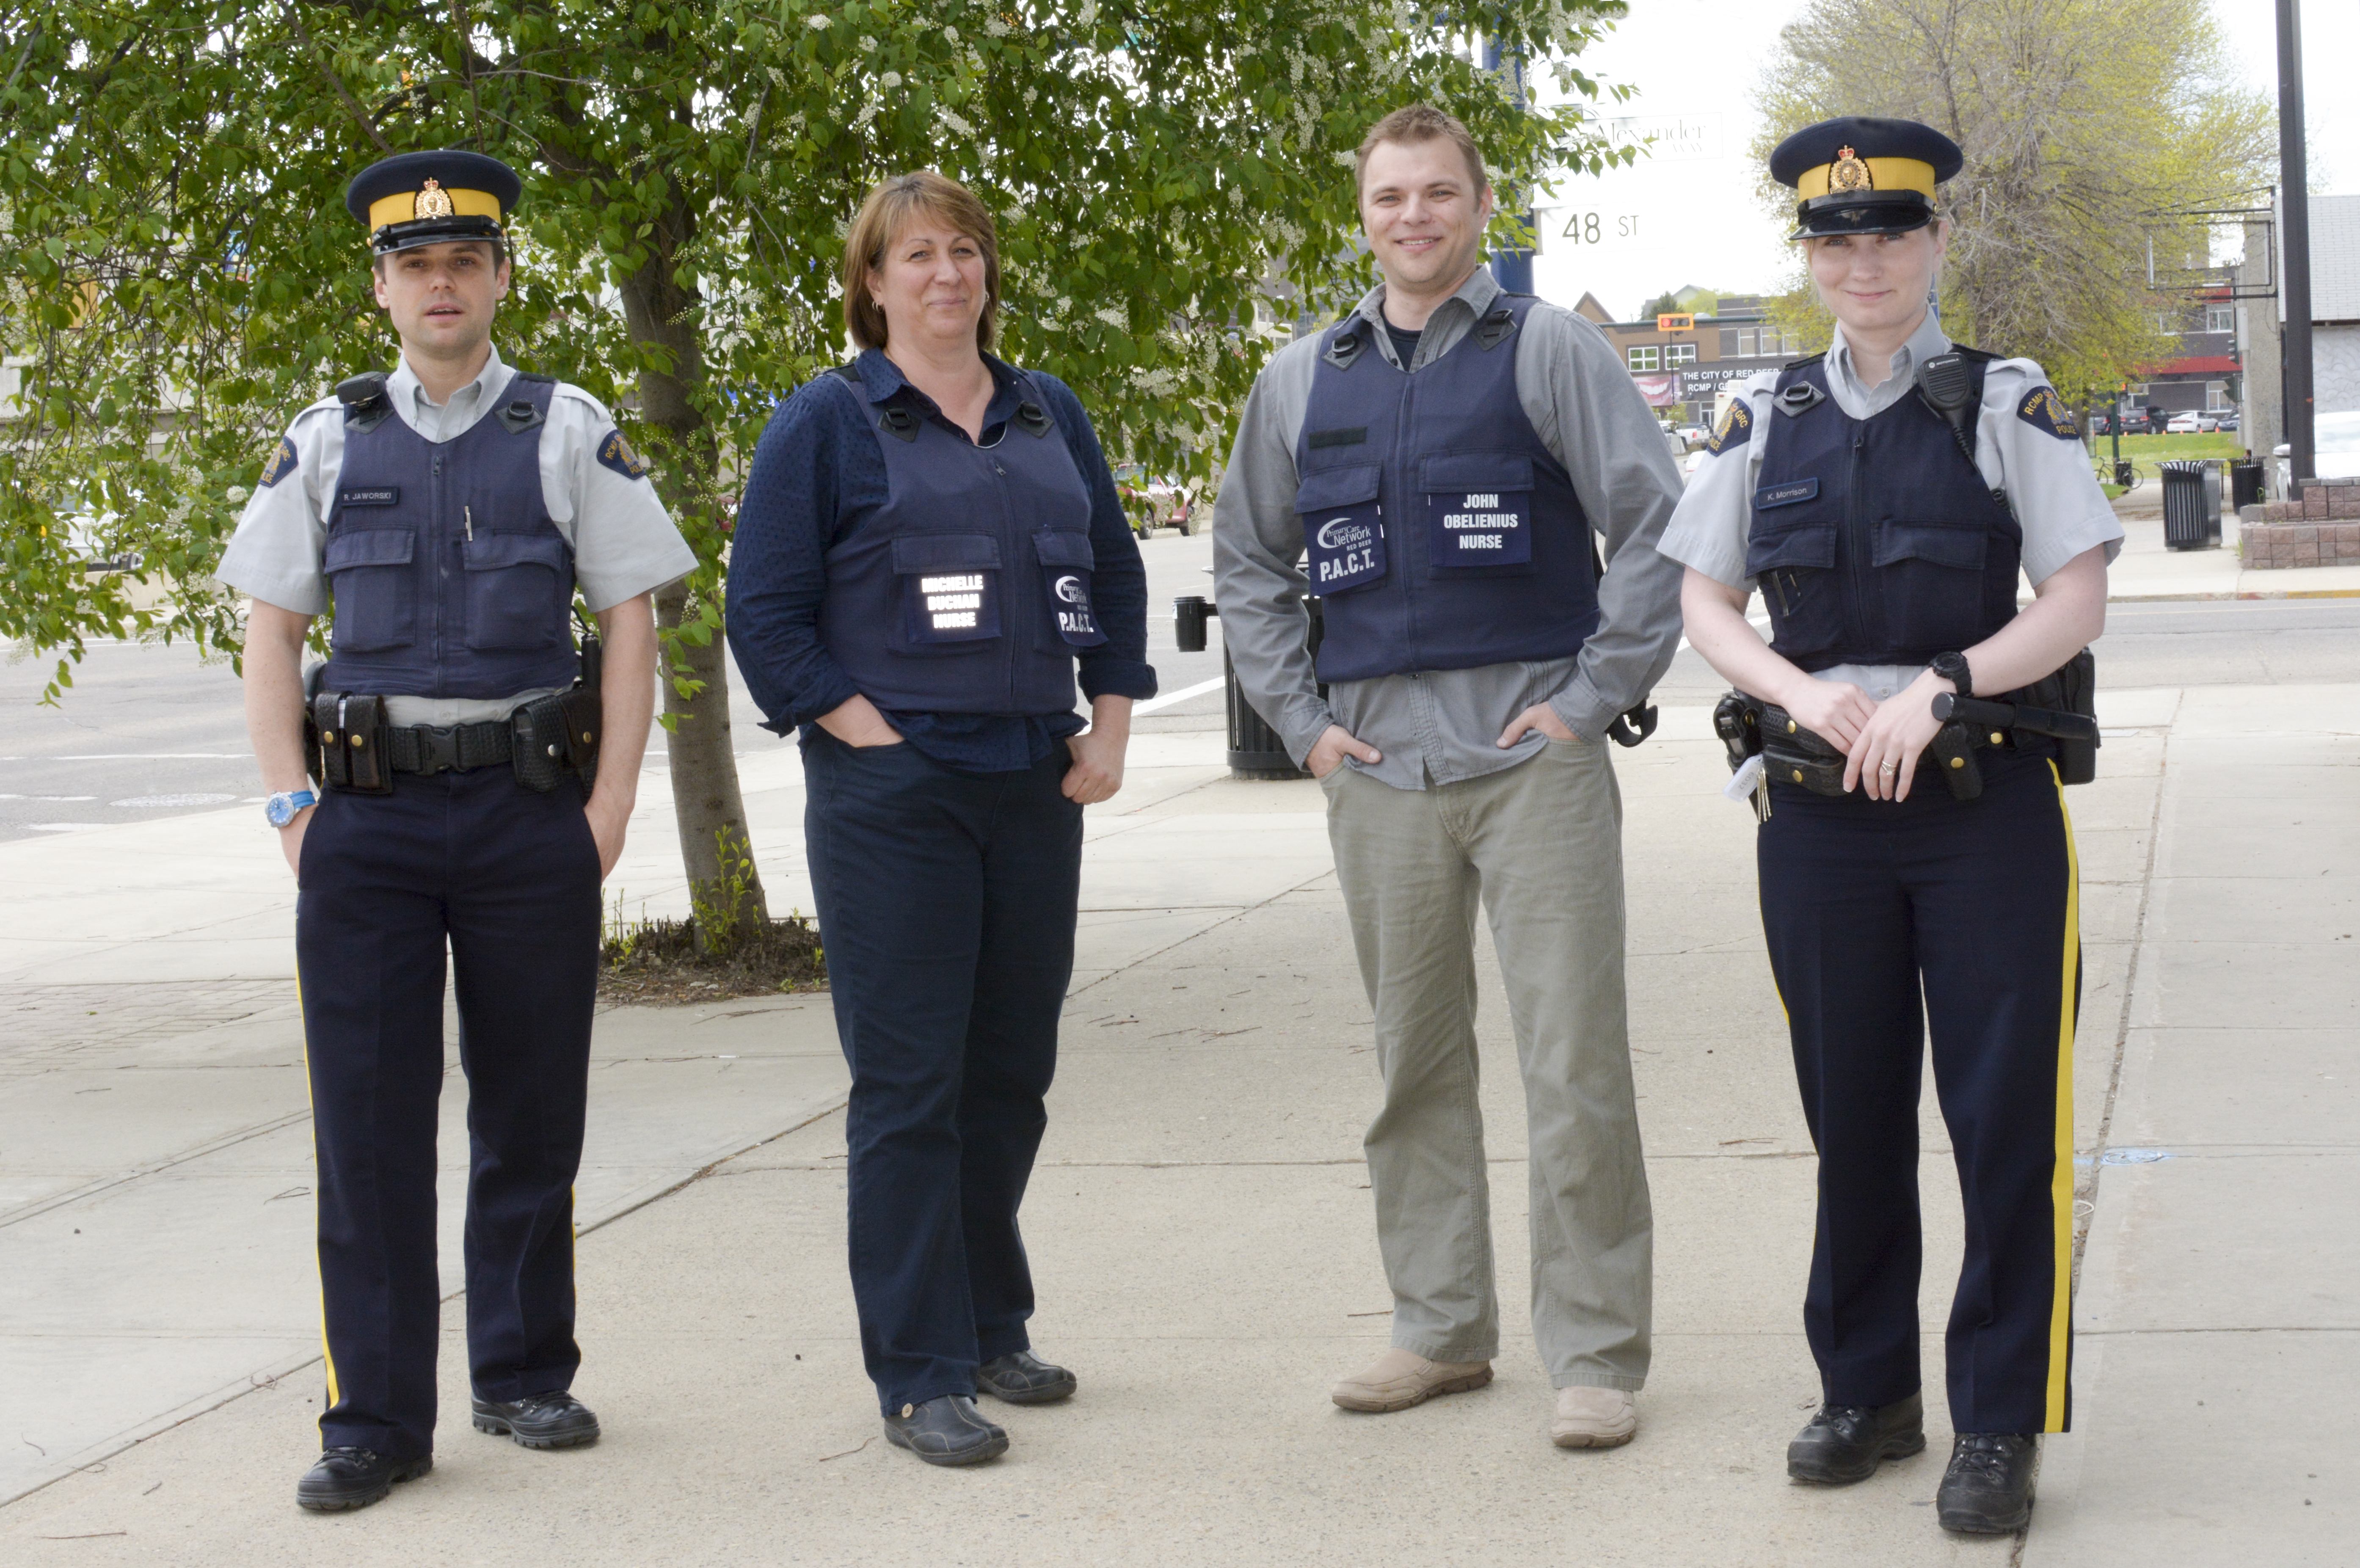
x: 1793, y: 565
x: 1343, y: 528
x: 519, y: 589
x: 1065, y: 563
x: 950, y: 591
x: 1479, y: 511
x: 1929, y: 583
x: 377, y: 597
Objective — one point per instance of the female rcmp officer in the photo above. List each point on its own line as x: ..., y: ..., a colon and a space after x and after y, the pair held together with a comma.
x: 1886, y: 539
x: 929, y: 543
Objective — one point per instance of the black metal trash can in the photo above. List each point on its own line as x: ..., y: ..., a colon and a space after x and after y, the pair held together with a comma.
x: 2244, y: 484
x: 1255, y: 750
x: 2191, y: 506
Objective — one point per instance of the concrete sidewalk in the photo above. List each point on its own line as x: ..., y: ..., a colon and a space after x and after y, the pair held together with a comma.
x: 1206, y: 1251
x: 2148, y: 570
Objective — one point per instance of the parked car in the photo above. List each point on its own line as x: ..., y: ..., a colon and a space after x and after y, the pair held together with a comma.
x: 2230, y: 419
x: 1694, y: 436
x: 2207, y: 421
x: 2184, y: 423
x: 2335, y: 441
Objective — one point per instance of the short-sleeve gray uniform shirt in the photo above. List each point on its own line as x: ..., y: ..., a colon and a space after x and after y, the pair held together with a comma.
x: 2046, y: 478
x: 624, y: 542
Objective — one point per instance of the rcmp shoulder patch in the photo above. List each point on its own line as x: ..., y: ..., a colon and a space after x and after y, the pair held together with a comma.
x: 1736, y: 427
x: 281, y: 464
x: 2044, y: 410
x: 617, y: 454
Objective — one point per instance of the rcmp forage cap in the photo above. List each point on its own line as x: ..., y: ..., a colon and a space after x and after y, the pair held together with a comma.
x: 428, y: 198
x: 1860, y: 175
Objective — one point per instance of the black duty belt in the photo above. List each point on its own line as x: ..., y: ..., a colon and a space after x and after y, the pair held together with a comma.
x: 456, y: 748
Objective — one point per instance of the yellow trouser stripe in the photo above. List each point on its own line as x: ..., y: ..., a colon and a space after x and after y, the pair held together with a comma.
x: 2061, y: 1310
x: 318, y: 1274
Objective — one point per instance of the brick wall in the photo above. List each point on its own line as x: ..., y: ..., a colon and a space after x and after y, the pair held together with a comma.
x: 2322, y: 528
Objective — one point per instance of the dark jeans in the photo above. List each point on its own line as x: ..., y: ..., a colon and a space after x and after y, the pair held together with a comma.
x: 508, y: 880
x: 947, y: 900
x: 1865, y: 901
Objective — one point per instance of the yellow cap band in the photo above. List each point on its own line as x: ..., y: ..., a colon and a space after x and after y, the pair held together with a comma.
x: 402, y: 206
x: 1883, y: 174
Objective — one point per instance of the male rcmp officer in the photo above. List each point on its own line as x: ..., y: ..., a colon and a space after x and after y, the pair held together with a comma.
x: 1443, y: 455
x: 450, y: 510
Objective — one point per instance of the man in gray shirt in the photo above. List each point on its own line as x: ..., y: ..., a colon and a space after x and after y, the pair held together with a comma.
x: 1443, y: 461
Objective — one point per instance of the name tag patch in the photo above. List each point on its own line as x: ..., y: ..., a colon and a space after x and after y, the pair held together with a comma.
x: 952, y: 606
x: 1786, y: 493
x: 1478, y: 527
x: 380, y: 496
x: 1345, y: 546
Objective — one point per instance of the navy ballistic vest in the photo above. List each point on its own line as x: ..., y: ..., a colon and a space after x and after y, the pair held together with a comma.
x: 968, y: 591
x: 1438, y: 529
x: 1877, y: 540
x: 450, y: 580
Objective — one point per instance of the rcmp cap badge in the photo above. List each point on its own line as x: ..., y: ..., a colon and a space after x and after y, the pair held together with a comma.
x: 434, y: 201
x: 1848, y: 173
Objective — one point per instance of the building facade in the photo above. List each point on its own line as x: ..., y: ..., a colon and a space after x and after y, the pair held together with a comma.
x: 1681, y: 363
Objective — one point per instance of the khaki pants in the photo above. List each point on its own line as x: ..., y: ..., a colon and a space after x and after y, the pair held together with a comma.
x: 1541, y: 844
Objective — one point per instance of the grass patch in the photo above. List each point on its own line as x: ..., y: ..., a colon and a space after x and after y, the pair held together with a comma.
x: 2145, y: 452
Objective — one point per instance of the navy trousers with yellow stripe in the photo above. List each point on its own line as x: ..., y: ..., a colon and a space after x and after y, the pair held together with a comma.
x: 1885, y: 919
x: 506, y: 882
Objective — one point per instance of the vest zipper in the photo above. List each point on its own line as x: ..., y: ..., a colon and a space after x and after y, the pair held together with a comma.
x: 1859, y: 544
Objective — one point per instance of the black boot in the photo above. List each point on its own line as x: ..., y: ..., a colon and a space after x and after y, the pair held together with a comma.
x: 946, y: 1430
x: 1020, y: 1378
x: 354, y: 1478
x: 538, y: 1420
x: 1988, y: 1488
x: 1844, y: 1444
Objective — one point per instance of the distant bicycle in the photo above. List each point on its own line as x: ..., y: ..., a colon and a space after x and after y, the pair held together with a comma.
x: 2125, y: 475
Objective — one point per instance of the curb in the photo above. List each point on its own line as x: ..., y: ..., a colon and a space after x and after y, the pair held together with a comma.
x: 2272, y: 593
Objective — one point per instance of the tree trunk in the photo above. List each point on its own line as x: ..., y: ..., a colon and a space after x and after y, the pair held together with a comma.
x: 706, y: 801
x: 724, y: 883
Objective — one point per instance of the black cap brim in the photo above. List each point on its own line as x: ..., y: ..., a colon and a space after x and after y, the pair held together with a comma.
x: 434, y: 231
x: 1850, y: 212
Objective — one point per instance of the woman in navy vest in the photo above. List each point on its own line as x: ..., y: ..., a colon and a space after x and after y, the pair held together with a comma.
x: 1884, y: 498
x: 929, y: 545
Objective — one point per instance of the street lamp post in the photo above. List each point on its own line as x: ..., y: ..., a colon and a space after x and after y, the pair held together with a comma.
x: 2294, y: 239
x: 1513, y: 266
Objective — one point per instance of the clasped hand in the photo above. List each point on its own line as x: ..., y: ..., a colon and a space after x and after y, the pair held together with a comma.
x: 1881, y: 741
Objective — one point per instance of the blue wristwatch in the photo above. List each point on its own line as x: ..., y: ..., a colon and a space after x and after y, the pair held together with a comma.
x: 280, y: 809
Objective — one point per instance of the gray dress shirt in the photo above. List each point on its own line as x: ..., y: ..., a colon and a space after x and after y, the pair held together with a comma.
x: 624, y: 541
x: 1442, y: 725
x: 2047, y: 479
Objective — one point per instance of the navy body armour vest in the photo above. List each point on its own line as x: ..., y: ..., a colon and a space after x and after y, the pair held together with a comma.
x: 1438, y: 529
x: 969, y: 592
x: 449, y: 578
x: 1877, y: 540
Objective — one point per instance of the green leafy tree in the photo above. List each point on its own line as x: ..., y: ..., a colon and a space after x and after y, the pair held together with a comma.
x: 178, y: 276
x: 2094, y: 130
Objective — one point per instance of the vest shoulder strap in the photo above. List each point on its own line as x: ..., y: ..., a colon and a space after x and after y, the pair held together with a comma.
x: 363, y: 396
x: 1976, y: 355
x: 1801, y: 387
x: 527, y: 406
x: 1803, y: 363
x: 851, y: 373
